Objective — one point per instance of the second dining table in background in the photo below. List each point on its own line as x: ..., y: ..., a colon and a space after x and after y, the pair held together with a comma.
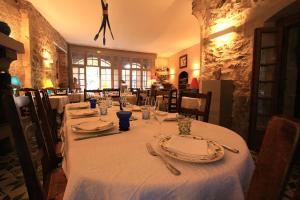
x: 119, y: 166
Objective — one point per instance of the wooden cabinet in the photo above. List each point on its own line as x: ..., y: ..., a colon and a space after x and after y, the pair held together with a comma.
x: 221, y: 101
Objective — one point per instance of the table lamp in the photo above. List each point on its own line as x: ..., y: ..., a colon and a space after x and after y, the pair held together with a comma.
x: 48, y: 84
x: 194, y: 85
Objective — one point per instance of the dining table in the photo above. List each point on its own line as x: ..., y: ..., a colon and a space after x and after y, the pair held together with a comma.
x: 58, y: 102
x: 119, y: 166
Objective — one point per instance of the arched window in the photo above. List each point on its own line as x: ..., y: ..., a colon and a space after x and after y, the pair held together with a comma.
x: 105, y: 66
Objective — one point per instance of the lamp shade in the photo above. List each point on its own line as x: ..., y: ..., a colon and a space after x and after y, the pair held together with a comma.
x: 15, y: 81
x: 194, y: 84
x: 48, y: 83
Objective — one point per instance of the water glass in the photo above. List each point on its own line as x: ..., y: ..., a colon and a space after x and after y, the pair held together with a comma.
x: 184, y: 125
x: 145, y: 113
x: 124, y: 122
x: 93, y: 103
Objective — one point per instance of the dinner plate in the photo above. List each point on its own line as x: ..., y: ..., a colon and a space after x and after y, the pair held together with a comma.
x: 83, y: 113
x: 215, y: 151
x: 75, y: 129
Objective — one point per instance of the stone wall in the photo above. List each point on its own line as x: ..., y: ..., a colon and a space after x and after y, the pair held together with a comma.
x: 41, y: 41
x: 232, y: 53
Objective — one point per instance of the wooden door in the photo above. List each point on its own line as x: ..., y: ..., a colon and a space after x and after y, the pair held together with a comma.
x: 264, y: 91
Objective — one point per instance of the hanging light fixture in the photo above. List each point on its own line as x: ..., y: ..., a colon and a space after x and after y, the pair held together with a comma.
x: 105, y: 21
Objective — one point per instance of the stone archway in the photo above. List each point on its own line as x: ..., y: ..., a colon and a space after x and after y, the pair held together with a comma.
x: 183, y: 80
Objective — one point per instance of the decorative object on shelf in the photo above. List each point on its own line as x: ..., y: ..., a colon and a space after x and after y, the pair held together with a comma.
x: 15, y: 81
x: 183, y: 61
x: 194, y: 85
x: 105, y: 21
x: 4, y: 28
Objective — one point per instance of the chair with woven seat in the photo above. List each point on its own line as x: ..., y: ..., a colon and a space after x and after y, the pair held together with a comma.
x: 274, y: 159
x: 202, y: 111
x: 88, y: 94
x: 39, y: 173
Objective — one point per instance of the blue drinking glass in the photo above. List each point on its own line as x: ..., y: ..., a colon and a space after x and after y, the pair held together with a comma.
x: 93, y: 103
x: 124, y: 117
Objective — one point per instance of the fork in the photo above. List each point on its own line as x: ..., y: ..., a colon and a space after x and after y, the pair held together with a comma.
x: 170, y: 167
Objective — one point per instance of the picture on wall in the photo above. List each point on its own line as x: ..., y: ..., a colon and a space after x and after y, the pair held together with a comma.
x: 183, y: 61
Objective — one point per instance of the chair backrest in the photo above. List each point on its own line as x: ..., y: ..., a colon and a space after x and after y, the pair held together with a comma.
x: 110, y: 90
x: 274, y: 159
x: 29, y: 143
x: 61, y: 91
x: 50, y: 135
x: 86, y: 92
x: 142, y: 96
x: 196, y: 112
x: 172, y: 101
x: 51, y: 113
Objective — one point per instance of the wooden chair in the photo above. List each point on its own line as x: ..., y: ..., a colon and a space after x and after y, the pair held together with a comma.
x: 86, y: 97
x: 274, y: 159
x: 43, y: 182
x: 53, y: 143
x: 196, y: 112
x: 172, y: 101
x: 116, y: 91
x: 136, y: 92
x: 142, y: 96
x: 51, y: 113
x: 61, y: 91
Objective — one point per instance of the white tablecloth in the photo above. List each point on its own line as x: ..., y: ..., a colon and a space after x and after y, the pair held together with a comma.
x: 119, y: 166
x: 76, y: 97
x: 58, y: 102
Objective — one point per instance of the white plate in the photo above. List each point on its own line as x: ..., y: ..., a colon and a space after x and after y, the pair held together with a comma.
x: 81, y: 131
x: 83, y: 113
x: 216, y: 151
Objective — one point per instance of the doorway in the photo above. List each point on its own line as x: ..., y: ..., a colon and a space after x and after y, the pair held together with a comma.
x: 183, y: 80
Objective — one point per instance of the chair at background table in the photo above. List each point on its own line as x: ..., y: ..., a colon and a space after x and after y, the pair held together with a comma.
x: 61, y: 91
x: 114, y: 93
x: 42, y: 179
x: 142, y: 96
x: 88, y: 94
x: 136, y: 92
x: 204, y: 113
x: 274, y: 159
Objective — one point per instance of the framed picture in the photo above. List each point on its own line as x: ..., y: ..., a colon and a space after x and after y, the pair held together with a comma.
x: 183, y: 61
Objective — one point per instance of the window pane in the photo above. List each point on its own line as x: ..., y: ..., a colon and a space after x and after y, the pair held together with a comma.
x: 81, y: 70
x: 92, y: 77
x: 126, y: 66
x: 81, y: 76
x: 126, y: 76
x: 105, y: 78
x: 136, y: 66
x: 81, y: 82
x: 105, y: 63
x: 75, y: 76
x: 77, y: 59
x: 75, y: 70
x: 116, y: 78
x: 92, y: 61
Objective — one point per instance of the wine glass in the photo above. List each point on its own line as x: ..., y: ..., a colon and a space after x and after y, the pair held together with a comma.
x: 160, y: 116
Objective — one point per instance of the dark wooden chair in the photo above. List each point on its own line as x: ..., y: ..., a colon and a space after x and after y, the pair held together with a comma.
x: 274, y: 159
x: 136, y: 92
x: 142, y: 96
x: 116, y: 91
x: 202, y: 112
x: 54, y: 144
x: 51, y: 113
x: 86, y: 92
x: 61, y: 91
x: 172, y: 101
x: 43, y: 182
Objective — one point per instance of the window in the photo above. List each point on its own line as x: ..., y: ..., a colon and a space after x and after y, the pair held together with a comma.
x: 92, y: 78
x: 77, y: 59
x: 78, y: 73
x: 126, y: 74
x: 116, y: 78
x: 105, y: 78
x: 146, y: 79
x: 92, y: 61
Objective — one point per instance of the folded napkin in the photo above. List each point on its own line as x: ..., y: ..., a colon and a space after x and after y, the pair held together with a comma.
x: 94, y: 125
x: 80, y: 113
x: 188, y: 146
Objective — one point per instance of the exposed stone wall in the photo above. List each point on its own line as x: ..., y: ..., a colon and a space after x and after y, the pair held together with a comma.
x: 232, y: 53
x: 41, y: 39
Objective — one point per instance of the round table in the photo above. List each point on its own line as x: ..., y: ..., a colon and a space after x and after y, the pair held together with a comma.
x: 119, y: 166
